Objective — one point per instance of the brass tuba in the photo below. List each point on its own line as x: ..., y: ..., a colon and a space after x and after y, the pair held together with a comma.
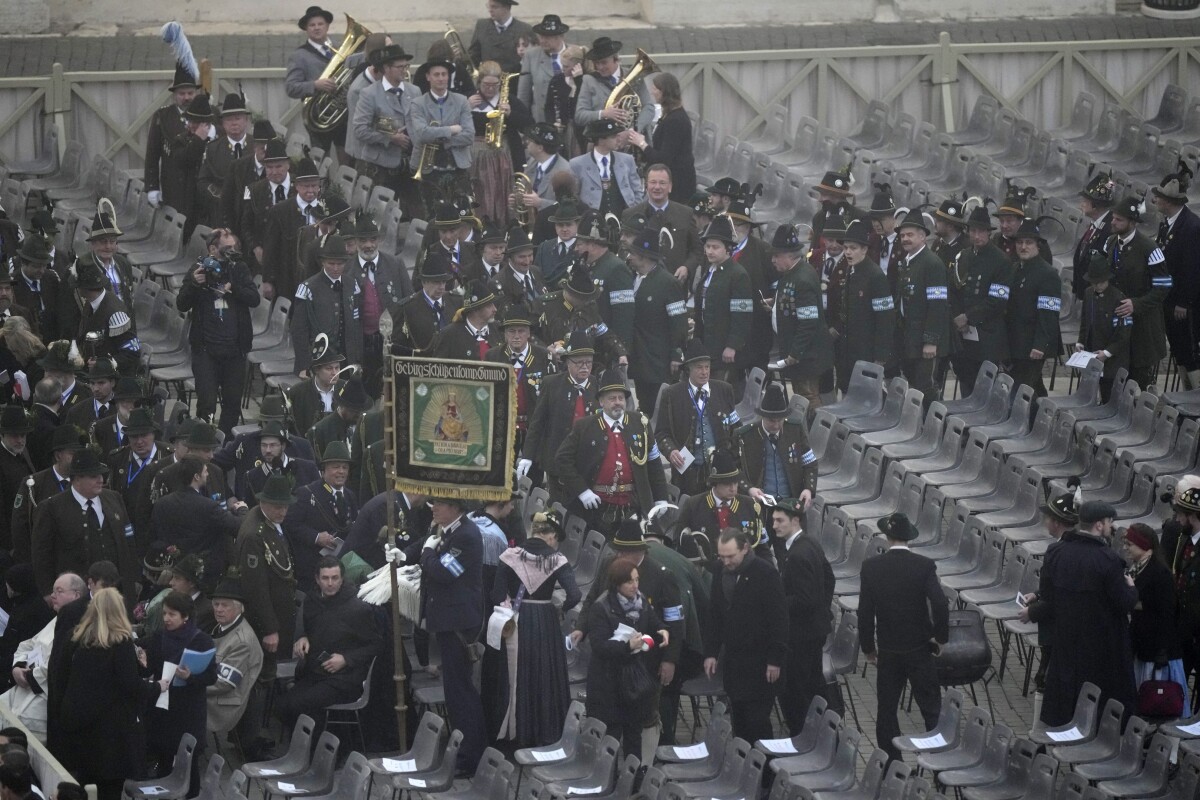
x: 625, y: 94
x: 524, y: 215
x: 461, y: 56
x: 324, y: 111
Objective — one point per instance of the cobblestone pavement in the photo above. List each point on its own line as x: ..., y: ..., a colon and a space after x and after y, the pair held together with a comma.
x: 22, y: 56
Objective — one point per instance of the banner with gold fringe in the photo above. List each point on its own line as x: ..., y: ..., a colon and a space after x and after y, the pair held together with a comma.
x: 453, y: 427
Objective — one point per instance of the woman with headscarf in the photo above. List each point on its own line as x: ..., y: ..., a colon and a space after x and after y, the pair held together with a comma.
x: 188, y: 708
x: 528, y: 676
x: 27, y: 614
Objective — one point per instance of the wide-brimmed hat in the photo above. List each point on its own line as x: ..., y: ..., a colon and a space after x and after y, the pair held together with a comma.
x: 103, y: 369
x: 883, y: 204
x: 612, y: 381
x: 603, y: 229
x: 140, y: 422
x: 567, y: 210
x: 551, y: 519
x: 331, y: 208
x: 1174, y: 187
x: 603, y: 47
x: 544, y: 134
x: 478, y: 295
x: 229, y: 587
x: 200, y: 109
x: 629, y: 535
x: 183, y: 79
x: 350, y: 393
x: 263, y: 131
x: 694, y: 351
x: 314, y: 11
x: 35, y: 250
x: 234, y: 104
x: 722, y: 468
x: 492, y: 233
x: 305, y: 170
x: 773, y: 403
x: 650, y: 243
x: 273, y: 408
x: 1099, y: 269
x: 898, y: 527
x: 14, y: 420
x: 323, y: 352
x: 179, y: 430
x: 203, y: 436
x: 517, y: 315
x: 727, y: 187
x: 190, y: 568
x: 951, y: 211
x: 334, y: 248
x: 1015, y: 200
x: 277, y: 490
x: 980, y: 218
x: 275, y: 429
x: 579, y: 280
x: 336, y: 451
x: 578, y: 344
x: 721, y: 229
x: 1029, y: 228
x: 43, y: 224
x: 387, y: 54
x: 62, y: 355
x: 87, y: 462
x: 1100, y: 189
x: 551, y: 25
x: 741, y: 210
x: 1131, y: 208
x: 787, y: 239
x: 1064, y: 508
x: 856, y: 232
x: 838, y: 181
x: 435, y: 266
x: 277, y: 151
x: 129, y: 389
x: 913, y: 219
x: 1188, y: 500
x: 159, y: 556
x: 448, y: 215
x: 600, y: 128
x: 69, y: 437
x: 518, y: 239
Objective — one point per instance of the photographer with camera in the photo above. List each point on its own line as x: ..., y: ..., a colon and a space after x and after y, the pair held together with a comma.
x: 219, y: 292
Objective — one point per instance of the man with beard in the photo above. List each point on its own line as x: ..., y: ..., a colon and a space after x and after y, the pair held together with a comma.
x: 273, y: 460
x: 1140, y: 271
x: 563, y: 399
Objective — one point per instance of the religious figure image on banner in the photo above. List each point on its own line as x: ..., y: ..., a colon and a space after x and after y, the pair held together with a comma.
x: 448, y: 432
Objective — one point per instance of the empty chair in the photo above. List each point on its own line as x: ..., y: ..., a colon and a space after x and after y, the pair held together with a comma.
x: 870, y: 782
x: 353, y: 782
x: 316, y: 780
x: 737, y: 758
x: 840, y: 774
x: 294, y: 762
x: 969, y: 751
x: 1082, y: 726
x: 438, y: 779
x: 491, y: 780
x: 822, y: 752
x: 1124, y: 761
x: 586, y: 752
x: 1153, y: 776
x: 1019, y: 774
x: 992, y: 767
x: 210, y: 781
x: 863, y: 396
x: 944, y: 736
x: 805, y: 740
x: 425, y: 753
x: 711, y: 753
x: 599, y: 777
x: 174, y: 786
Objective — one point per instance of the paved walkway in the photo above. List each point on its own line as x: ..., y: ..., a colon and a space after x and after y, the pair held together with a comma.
x: 113, y: 49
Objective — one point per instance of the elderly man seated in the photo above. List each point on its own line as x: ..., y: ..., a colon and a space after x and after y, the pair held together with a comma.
x: 239, y: 657
x: 31, y: 661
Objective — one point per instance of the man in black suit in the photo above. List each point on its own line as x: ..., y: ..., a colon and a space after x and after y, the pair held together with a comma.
x: 273, y: 458
x: 683, y: 257
x: 748, y: 631
x: 192, y: 521
x: 774, y: 453
x: 531, y: 362
x: 422, y: 315
x: 40, y: 289
x: 324, y: 511
x: 520, y: 281
x: 281, y: 267
x: 63, y: 363
x: 385, y: 282
x: 275, y: 187
x: 69, y: 597
x: 721, y: 507
x: 496, y: 36
x: 1095, y: 201
x: 452, y: 604
x: 696, y: 415
x: 240, y: 453
x: 247, y: 170
x: 340, y: 642
x: 161, y: 180
x: 15, y: 466
x: 102, y: 380
x: 219, y: 157
x: 564, y: 398
x: 41, y: 486
x: 554, y: 256
x: 132, y: 468
x: 470, y: 336
x: 106, y: 325
x: 1179, y: 238
x: 313, y: 399
x: 808, y: 584
x: 901, y: 597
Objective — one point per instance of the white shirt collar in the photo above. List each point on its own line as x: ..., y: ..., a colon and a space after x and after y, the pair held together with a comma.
x: 387, y: 87
x: 899, y: 547
x: 437, y: 96
x: 596, y: 156
x: 660, y: 209
x: 610, y: 421
x: 549, y: 162
x: 83, y: 501
x: 1127, y: 238
x: 569, y: 242
x: 303, y: 206
x: 58, y: 477
x: 716, y: 500
x: 1171, y: 219
x: 1099, y: 221
x: 287, y: 184
x: 99, y: 299
x: 787, y: 545
x: 234, y: 142
x: 329, y: 277
x: 319, y: 45
x: 503, y: 26
x: 693, y: 388
x: 917, y: 252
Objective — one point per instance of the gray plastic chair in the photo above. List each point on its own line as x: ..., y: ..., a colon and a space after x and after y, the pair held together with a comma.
x: 927, y: 442
x: 969, y: 751
x: 591, y: 737
x: 947, y: 727
x: 210, y: 781
x: 1151, y: 779
x: 997, y: 407
x: 439, y: 779
x: 739, y: 759
x: 174, y: 786
x: 980, y: 392
x: 1016, y: 423
x: 708, y: 766
x: 491, y: 781
x: 353, y: 782
x: 1125, y: 759
x: 572, y: 724
x: 847, y: 461
x: 1084, y: 720
x: 948, y: 454
x: 869, y: 783
x: 599, y: 775
x: 1059, y: 448
x: 842, y: 772
x: 1018, y: 773
x: 316, y: 780
x: 822, y: 752
x: 424, y: 755
x: 907, y: 429
x: 991, y: 768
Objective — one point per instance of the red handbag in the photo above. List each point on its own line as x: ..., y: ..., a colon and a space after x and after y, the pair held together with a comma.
x: 1160, y: 699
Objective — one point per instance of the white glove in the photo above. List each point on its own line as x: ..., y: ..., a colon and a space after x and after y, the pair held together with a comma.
x: 154, y: 198
x: 589, y: 499
x: 394, y: 554
x: 523, y: 466
x: 659, y: 504
x: 432, y: 542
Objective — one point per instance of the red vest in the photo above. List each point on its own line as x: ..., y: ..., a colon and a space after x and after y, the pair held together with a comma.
x: 615, y: 475
x: 371, y: 309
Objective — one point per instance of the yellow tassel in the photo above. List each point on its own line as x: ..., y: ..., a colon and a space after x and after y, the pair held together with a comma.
x: 458, y: 315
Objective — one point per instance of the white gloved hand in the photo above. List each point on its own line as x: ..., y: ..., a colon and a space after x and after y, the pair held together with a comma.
x: 432, y: 542
x: 589, y: 499
x: 659, y: 503
x: 523, y: 467
x: 154, y: 197
x: 394, y: 554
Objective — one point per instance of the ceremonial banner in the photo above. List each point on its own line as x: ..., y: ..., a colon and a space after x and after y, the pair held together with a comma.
x: 452, y: 427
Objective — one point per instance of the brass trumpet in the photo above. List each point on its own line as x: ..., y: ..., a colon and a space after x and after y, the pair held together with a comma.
x: 523, y: 214
x: 460, y: 52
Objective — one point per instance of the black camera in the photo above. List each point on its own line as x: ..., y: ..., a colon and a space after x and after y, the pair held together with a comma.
x: 214, y: 270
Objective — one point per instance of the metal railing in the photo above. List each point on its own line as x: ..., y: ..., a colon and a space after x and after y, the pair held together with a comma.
x: 737, y: 90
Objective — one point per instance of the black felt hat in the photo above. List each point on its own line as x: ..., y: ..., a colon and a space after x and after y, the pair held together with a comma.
x: 898, y: 527
x: 856, y: 232
x: 787, y: 239
x: 551, y: 25
x: 723, y: 468
x: 580, y: 281
x: 350, y: 393
x: 314, y: 11
x: 1100, y: 189
x: 602, y: 48
x: 773, y: 402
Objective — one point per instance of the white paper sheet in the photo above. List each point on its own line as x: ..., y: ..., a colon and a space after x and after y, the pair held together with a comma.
x: 1193, y: 729
x: 693, y: 752
x: 779, y: 745
x: 416, y: 783
x: 397, y: 765
x: 929, y: 742
x: 154, y: 790
x: 1070, y: 735
x: 164, y: 698
x: 287, y: 787
x: 496, y: 622
x: 623, y: 633
x: 584, y: 790
x: 971, y: 334
x: 270, y: 773
x: 1080, y: 360
x: 549, y: 755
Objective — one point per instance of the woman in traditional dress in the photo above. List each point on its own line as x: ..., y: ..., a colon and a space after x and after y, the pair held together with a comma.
x: 529, y: 672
